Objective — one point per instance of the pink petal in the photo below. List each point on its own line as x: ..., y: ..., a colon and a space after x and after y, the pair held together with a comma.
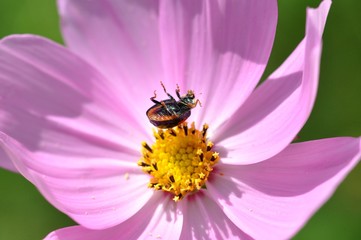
x: 203, y: 219
x: 60, y: 123
x: 119, y: 38
x: 53, y: 101
x: 217, y: 48
x: 5, y: 162
x: 273, y: 199
x: 159, y: 219
x: 278, y: 109
x: 96, y: 192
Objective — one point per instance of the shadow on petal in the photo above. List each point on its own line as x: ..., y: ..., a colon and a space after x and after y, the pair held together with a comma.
x: 204, y: 219
x: 265, y: 99
x: 52, y: 101
x: 227, y: 187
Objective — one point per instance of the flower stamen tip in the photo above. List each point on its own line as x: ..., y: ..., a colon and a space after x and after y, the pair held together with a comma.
x: 180, y: 160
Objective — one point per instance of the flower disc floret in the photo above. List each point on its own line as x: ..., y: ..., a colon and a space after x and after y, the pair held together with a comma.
x: 180, y: 160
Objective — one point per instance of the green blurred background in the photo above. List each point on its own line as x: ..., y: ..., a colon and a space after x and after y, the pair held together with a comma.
x: 24, y: 214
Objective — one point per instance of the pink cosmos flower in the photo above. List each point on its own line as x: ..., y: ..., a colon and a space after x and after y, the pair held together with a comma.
x: 73, y: 120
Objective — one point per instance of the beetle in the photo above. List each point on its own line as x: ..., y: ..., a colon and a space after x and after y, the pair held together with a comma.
x: 170, y: 112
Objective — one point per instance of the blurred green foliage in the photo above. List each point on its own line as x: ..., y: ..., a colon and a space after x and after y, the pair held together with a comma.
x: 24, y: 214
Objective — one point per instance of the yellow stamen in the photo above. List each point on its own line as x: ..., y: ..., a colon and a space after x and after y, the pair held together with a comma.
x: 180, y: 160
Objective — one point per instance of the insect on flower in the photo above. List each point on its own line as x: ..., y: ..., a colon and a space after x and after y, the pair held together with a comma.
x: 232, y: 173
x: 170, y: 113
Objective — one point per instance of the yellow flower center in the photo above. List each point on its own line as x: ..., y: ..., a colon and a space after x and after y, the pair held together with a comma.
x: 180, y: 160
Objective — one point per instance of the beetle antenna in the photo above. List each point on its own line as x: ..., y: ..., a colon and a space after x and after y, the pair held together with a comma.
x: 199, y: 102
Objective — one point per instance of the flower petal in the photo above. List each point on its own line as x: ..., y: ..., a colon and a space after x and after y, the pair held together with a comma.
x: 67, y: 134
x: 217, y: 48
x: 159, y: 219
x: 203, y: 219
x: 278, y: 109
x: 5, y: 162
x: 279, y: 195
x: 96, y: 192
x: 52, y: 101
x: 119, y: 38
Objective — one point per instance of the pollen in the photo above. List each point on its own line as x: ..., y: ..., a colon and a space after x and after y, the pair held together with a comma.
x: 180, y: 160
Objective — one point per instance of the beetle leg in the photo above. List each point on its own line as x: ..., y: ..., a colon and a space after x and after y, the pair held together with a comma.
x: 193, y: 105
x: 166, y: 107
x: 177, y: 91
x: 170, y: 96
x: 169, y: 110
x: 153, y: 98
